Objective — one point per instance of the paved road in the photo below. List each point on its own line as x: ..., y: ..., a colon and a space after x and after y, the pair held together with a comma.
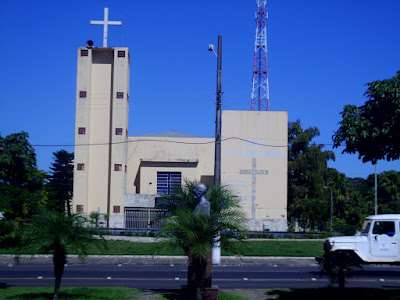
x: 174, y: 275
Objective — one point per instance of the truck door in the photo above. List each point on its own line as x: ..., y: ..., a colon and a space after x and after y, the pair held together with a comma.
x: 384, y: 240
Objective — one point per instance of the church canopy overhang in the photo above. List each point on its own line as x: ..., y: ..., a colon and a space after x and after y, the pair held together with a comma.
x: 170, y: 160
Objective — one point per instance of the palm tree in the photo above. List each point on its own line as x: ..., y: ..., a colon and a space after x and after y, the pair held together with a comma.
x: 59, y: 233
x: 195, y: 233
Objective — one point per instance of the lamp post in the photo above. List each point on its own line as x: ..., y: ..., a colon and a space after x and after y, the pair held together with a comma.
x: 331, y: 211
x: 216, y: 251
x: 376, y: 192
x: 326, y: 187
x: 217, y: 160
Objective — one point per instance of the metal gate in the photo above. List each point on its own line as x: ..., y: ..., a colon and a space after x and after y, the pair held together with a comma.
x: 144, y: 218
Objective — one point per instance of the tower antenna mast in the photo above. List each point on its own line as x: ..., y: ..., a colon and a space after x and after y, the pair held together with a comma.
x: 260, y: 90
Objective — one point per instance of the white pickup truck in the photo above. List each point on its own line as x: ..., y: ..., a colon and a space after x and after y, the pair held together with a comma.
x: 378, y: 242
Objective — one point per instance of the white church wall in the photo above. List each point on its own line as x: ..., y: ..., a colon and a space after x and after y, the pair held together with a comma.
x: 118, y: 130
x: 254, y: 164
x: 98, y: 165
x: 82, y: 120
x: 193, y: 157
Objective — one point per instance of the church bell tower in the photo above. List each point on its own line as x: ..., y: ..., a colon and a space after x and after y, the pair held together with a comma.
x: 101, y: 129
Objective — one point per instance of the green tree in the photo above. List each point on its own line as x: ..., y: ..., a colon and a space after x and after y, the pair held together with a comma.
x: 21, y: 182
x: 195, y: 233
x: 58, y: 234
x: 307, y: 168
x: 372, y: 130
x: 388, y: 192
x: 60, y: 186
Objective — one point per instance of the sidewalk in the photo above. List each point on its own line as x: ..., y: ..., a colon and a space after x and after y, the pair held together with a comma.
x: 157, y: 260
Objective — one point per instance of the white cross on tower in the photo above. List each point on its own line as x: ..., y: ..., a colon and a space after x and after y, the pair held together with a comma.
x: 105, y: 24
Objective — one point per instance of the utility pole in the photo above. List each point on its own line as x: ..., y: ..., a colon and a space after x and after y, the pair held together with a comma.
x: 216, y: 251
x: 376, y: 192
x: 331, y: 211
x: 217, y: 161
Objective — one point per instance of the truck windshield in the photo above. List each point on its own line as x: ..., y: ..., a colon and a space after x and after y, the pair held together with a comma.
x: 366, y: 227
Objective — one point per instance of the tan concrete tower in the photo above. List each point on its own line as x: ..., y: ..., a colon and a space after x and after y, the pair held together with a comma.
x: 101, y: 131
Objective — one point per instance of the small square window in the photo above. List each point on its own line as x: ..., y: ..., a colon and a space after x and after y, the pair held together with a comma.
x: 81, y: 167
x: 117, y: 167
x: 84, y: 52
x: 116, y: 208
x: 79, y: 208
x: 81, y: 130
x: 118, y: 131
x: 120, y: 95
x: 121, y: 53
x: 82, y: 94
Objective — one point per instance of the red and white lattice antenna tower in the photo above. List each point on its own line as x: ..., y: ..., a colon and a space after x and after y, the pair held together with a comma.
x: 260, y: 90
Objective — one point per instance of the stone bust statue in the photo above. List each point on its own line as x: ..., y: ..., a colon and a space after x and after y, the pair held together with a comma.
x: 199, y: 193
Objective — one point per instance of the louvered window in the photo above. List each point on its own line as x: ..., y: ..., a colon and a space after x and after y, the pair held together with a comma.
x: 167, y: 182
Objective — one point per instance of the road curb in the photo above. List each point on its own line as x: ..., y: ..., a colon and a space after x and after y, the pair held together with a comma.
x: 157, y: 259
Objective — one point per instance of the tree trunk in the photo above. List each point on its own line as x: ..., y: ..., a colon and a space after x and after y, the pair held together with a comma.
x: 59, y: 260
x: 196, y: 276
x: 341, y: 277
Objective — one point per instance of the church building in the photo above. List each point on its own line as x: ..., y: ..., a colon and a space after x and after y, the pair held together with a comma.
x: 122, y: 176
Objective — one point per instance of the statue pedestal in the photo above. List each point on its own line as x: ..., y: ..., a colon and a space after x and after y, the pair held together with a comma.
x: 211, y: 293
x: 200, y: 271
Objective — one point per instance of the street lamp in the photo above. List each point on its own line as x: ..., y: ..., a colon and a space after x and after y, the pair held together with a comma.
x: 216, y: 251
x: 217, y: 160
x: 325, y: 187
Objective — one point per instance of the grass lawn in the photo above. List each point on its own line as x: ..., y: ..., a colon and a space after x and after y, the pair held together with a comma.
x: 256, y: 248
x: 105, y: 293
x: 100, y: 293
x: 334, y: 294
x: 84, y: 293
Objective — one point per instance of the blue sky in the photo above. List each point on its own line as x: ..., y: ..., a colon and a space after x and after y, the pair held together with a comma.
x: 321, y: 55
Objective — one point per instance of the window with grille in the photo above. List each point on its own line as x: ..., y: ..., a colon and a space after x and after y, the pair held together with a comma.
x: 84, y: 52
x: 81, y: 130
x: 81, y: 167
x: 120, y: 95
x: 116, y: 208
x: 117, y: 167
x: 118, y: 131
x: 82, y: 94
x: 121, y: 53
x: 167, y: 182
x: 79, y: 208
